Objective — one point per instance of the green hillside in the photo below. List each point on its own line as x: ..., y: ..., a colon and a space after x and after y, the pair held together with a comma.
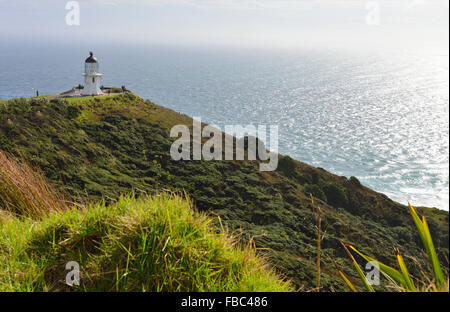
x: 100, y: 148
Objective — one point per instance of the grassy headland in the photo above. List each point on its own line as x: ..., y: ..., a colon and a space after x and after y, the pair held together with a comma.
x: 100, y: 148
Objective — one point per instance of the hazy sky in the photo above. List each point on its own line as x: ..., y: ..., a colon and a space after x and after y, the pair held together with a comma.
x: 262, y: 23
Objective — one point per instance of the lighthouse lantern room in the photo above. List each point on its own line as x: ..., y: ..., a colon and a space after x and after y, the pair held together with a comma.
x: 92, y: 77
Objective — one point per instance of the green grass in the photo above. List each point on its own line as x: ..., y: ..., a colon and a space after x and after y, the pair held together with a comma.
x: 155, y: 243
x: 75, y: 100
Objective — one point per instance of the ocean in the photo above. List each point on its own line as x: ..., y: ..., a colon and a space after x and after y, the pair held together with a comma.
x: 381, y: 116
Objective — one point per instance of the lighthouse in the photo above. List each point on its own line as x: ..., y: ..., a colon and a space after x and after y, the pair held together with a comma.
x: 92, y: 77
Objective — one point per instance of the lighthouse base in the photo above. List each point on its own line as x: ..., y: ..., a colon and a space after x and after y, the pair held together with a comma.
x: 92, y: 85
x: 92, y: 93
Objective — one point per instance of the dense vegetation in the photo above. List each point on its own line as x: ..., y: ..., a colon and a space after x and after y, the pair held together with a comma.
x: 99, y: 148
x: 154, y: 243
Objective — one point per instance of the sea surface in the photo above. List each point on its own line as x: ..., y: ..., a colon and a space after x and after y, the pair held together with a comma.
x: 381, y: 116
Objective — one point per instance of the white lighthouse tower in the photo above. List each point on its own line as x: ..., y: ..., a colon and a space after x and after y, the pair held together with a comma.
x: 92, y: 77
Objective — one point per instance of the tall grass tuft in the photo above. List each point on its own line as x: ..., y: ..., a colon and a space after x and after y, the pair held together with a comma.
x: 25, y: 191
x: 319, y: 239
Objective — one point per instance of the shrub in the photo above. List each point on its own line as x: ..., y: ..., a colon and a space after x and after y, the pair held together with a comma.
x: 403, y: 233
x: 315, y: 190
x: 287, y: 165
x: 335, y: 194
x: 116, y: 90
x: 73, y: 112
x: 353, y: 180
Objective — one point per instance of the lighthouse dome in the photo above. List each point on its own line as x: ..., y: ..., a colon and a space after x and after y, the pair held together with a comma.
x: 91, y: 58
x: 91, y: 66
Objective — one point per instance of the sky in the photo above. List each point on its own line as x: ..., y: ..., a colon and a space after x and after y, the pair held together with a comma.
x: 246, y: 23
